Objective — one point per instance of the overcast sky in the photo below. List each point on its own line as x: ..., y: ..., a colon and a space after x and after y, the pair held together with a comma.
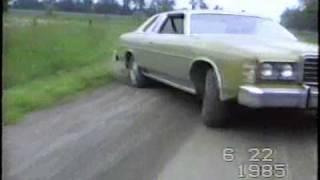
x: 269, y: 8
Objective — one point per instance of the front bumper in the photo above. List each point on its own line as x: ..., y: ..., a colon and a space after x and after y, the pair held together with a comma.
x: 257, y: 97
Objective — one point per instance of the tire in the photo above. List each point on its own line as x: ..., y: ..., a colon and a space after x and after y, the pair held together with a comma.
x: 137, y: 79
x: 214, y: 111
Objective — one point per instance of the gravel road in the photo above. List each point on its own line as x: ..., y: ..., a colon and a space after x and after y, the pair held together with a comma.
x: 119, y: 132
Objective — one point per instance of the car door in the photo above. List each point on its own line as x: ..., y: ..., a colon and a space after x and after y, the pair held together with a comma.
x: 145, y: 51
x: 141, y: 42
x: 169, y: 53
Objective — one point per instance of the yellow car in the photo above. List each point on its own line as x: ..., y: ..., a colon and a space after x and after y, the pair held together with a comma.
x: 223, y: 57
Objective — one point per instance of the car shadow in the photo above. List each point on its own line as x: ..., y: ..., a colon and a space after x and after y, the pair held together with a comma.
x: 277, y: 119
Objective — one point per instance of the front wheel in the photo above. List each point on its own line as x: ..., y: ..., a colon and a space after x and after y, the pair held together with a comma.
x: 214, y: 111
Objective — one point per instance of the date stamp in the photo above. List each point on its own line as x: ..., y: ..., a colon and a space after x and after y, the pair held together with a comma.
x: 260, y: 163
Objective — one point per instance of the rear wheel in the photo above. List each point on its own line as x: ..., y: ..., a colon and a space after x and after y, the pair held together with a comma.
x: 214, y: 111
x: 137, y: 79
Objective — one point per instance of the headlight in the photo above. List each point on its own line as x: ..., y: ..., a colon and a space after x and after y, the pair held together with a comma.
x: 286, y: 71
x: 266, y: 70
x: 278, y: 71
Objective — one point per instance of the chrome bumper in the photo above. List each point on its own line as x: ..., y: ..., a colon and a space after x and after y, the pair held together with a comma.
x: 256, y: 97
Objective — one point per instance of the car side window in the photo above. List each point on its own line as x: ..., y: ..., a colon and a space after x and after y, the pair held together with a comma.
x: 149, y: 25
x: 179, y: 24
x: 155, y: 27
x: 174, y: 24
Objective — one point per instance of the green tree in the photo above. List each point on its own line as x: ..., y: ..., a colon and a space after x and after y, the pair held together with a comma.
x: 49, y: 6
x: 217, y: 7
x: 88, y: 4
x: 162, y: 5
x: 302, y: 18
x: 198, y: 4
x: 107, y: 7
x: 125, y: 6
x: 28, y: 4
x: 139, y: 4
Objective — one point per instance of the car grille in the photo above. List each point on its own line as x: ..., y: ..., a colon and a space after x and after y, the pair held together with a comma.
x: 310, y: 75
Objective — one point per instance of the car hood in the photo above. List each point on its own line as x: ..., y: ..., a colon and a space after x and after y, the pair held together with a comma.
x: 262, y: 48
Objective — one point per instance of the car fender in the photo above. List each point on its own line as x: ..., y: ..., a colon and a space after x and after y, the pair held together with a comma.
x: 216, y: 70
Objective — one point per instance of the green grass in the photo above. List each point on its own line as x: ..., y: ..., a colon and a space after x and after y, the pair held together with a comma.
x: 49, y: 58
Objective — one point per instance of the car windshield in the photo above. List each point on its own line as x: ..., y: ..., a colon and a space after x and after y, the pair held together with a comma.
x: 235, y: 24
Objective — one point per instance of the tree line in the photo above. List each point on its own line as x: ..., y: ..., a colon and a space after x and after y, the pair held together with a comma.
x: 102, y: 6
x: 88, y: 6
x: 304, y: 17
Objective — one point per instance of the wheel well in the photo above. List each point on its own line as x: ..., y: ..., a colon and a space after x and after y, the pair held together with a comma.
x: 128, y: 56
x: 198, y: 75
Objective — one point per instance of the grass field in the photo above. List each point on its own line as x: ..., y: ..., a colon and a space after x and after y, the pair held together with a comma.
x: 49, y: 58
